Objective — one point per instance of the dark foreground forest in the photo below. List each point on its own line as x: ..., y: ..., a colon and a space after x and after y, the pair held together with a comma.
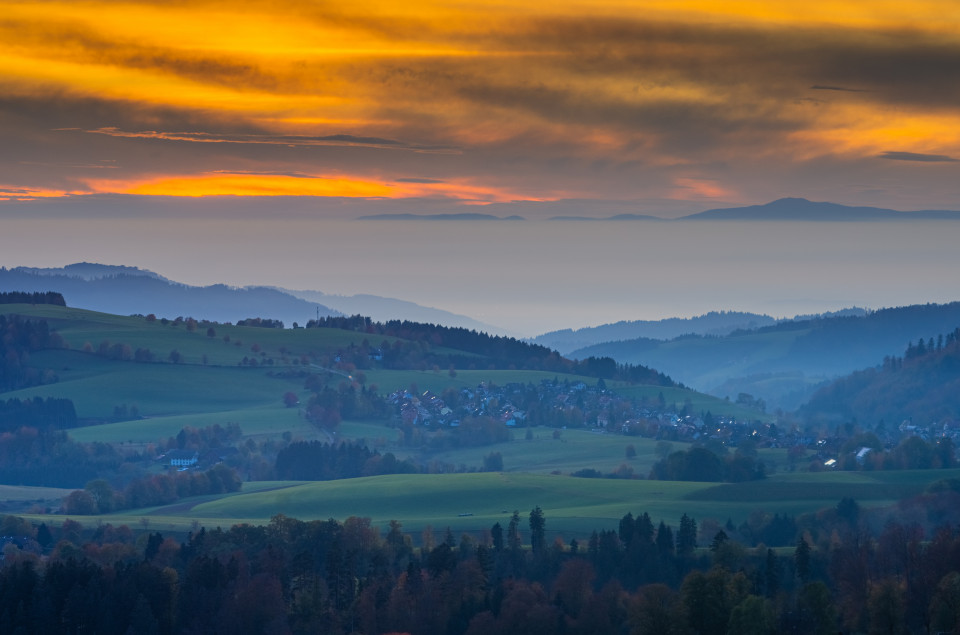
x: 848, y: 570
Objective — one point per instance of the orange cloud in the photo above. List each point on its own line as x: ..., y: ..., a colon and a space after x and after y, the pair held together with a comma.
x: 518, y: 89
x: 13, y: 193
x: 466, y: 192
x: 246, y: 185
x: 254, y: 184
x: 859, y: 131
x: 688, y: 188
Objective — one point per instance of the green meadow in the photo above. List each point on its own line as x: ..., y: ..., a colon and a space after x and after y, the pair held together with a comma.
x: 537, y: 465
x: 573, y: 507
x: 26, y: 493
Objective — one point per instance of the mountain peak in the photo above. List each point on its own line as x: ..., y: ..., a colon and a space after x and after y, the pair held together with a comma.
x: 801, y: 209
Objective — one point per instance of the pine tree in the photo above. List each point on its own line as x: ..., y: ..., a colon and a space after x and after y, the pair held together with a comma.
x: 665, y: 539
x: 686, y: 536
x: 801, y: 556
x: 537, y: 530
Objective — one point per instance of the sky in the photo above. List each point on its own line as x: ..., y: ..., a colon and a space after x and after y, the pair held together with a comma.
x: 665, y: 105
x: 132, y: 112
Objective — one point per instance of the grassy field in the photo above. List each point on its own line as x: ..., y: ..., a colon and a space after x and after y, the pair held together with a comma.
x: 172, y: 396
x: 573, y: 507
x: 541, y: 454
x: 79, y: 327
x: 95, y: 386
x: 253, y: 422
x: 24, y: 493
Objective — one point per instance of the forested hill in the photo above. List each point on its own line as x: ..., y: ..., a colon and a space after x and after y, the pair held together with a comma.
x: 471, y: 347
x: 923, y: 386
x: 714, y: 323
x: 18, y: 339
x: 123, y: 292
x: 773, y: 361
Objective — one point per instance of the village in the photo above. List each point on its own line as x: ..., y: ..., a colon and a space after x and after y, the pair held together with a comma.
x: 576, y: 404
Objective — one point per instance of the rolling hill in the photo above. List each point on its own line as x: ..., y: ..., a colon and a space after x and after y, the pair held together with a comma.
x: 784, y: 363
x: 239, y: 373
x: 125, y: 290
x: 920, y: 387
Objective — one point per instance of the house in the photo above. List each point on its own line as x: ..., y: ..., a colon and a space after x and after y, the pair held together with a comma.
x: 183, y: 458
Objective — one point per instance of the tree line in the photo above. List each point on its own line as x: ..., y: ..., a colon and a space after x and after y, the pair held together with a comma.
x: 43, y: 414
x: 418, y: 341
x: 19, y: 338
x: 35, y: 297
x: 99, y: 497
x: 921, y: 386
x: 317, y: 461
x: 698, y: 463
x: 841, y: 572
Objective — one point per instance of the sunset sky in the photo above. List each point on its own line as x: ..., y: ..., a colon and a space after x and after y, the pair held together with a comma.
x: 177, y: 135
x: 661, y: 106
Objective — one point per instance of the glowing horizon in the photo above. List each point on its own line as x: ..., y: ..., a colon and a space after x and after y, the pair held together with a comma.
x: 735, y: 102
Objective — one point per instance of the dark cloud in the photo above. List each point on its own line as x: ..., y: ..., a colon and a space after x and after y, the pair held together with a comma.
x: 763, y: 61
x: 417, y: 180
x: 839, y: 89
x: 914, y: 156
x: 270, y: 139
x: 294, y: 175
x: 695, y: 87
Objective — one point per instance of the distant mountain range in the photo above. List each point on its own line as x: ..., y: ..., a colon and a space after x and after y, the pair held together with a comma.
x: 383, y: 309
x: 468, y: 216
x: 567, y: 341
x: 784, y: 209
x: 790, y: 209
x: 800, y: 209
x: 125, y: 290
x: 715, y: 323
x: 781, y: 363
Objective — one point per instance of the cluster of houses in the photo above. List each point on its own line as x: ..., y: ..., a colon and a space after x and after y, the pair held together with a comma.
x: 590, y: 406
x: 606, y: 412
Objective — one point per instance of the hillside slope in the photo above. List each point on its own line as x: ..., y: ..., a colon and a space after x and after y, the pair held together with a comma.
x: 791, y: 357
x: 923, y: 386
x: 125, y: 290
x: 567, y: 341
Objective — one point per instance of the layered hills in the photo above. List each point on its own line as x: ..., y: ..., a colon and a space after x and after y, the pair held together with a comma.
x: 128, y: 290
x: 783, y: 363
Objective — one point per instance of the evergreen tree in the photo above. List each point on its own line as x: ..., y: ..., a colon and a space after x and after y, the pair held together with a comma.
x: 772, y: 574
x: 801, y: 556
x: 537, y: 530
x: 513, y: 532
x: 718, y: 540
x: 496, y: 535
x: 626, y: 529
x: 644, y: 529
x: 665, y: 539
x: 686, y: 536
